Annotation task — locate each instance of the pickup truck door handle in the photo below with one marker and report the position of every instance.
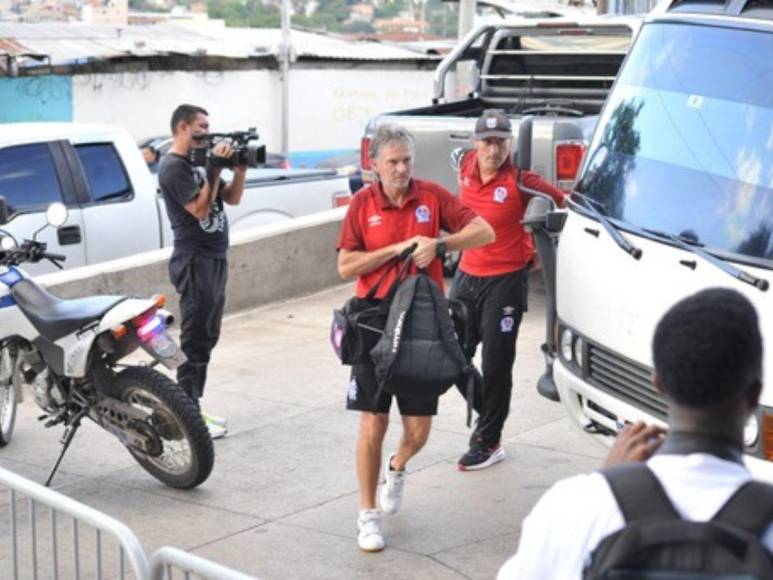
(69, 235)
(460, 136)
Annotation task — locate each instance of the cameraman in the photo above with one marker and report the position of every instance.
(198, 269)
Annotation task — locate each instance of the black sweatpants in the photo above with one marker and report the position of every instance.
(498, 303)
(200, 282)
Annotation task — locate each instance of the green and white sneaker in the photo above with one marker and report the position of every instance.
(218, 426)
(215, 420)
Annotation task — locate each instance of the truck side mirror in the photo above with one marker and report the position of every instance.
(537, 211)
(3, 210)
(541, 214)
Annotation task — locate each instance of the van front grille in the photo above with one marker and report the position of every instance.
(625, 379)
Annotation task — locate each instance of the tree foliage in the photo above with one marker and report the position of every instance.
(330, 15)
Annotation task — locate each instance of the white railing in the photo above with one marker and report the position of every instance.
(167, 559)
(48, 537)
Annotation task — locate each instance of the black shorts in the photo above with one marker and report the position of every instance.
(362, 394)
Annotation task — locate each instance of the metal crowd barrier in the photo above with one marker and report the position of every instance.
(49, 534)
(167, 559)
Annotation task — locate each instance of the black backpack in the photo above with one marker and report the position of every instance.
(656, 543)
(358, 325)
(419, 356)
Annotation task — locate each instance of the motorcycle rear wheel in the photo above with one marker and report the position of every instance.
(187, 454)
(8, 393)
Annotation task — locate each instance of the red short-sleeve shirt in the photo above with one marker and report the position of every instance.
(372, 222)
(502, 204)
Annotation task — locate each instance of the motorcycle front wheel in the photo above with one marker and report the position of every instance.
(186, 455)
(8, 393)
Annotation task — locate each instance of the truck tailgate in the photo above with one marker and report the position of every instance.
(435, 138)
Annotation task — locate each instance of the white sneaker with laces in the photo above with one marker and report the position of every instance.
(391, 494)
(369, 535)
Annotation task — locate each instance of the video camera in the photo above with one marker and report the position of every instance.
(245, 153)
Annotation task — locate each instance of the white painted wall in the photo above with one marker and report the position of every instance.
(143, 102)
(328, 107)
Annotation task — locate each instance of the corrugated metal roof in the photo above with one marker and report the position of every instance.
(66, 43)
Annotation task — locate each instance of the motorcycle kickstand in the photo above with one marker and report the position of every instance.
(69, 434)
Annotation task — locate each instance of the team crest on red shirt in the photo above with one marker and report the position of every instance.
(422, 214)
(500, 194)
(374, 220)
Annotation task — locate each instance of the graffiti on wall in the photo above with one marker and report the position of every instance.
(40, 98)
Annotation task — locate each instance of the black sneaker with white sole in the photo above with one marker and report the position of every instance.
(481, 456)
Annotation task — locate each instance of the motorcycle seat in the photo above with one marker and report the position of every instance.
(55, 317)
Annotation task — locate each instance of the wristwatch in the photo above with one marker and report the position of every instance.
(441, 249)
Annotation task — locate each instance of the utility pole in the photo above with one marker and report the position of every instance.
(285, 55)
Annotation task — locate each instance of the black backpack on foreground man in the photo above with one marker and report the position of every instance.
(691, 511)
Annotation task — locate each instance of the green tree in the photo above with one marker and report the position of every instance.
(359, 27)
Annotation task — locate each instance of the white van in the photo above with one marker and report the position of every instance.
(675, 195)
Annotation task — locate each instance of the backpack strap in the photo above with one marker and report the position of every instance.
(639, 493)
(749, 508)
(401, 260)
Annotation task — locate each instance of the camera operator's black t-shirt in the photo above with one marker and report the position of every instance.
(180, 182)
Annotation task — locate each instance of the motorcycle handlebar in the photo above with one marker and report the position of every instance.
(30, 251)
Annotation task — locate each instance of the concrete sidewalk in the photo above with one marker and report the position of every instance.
(282, 500)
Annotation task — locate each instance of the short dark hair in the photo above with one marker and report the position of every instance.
(186, 113)
(708, 348)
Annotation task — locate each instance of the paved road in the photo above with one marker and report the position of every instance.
(282, 500)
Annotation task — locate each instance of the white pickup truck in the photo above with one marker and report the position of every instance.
(115, 209)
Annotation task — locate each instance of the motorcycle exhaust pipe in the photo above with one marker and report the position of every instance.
(167, 317)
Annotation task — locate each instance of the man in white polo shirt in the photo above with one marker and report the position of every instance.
(707, 352)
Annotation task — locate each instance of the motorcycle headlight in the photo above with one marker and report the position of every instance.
(566, 344)
(751, 431)
(577, 349)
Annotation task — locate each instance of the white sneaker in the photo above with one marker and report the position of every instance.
(216, 431)
(391, 494)
(213, 419)
(369, 535)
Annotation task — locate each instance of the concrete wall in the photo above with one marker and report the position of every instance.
(266, 264)
(328, 107)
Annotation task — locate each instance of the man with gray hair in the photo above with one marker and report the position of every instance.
(384, 219)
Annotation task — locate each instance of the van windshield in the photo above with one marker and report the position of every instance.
(685, 142)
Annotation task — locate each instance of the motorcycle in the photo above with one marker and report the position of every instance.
(69, 353)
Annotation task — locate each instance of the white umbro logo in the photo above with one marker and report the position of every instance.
(374, 220)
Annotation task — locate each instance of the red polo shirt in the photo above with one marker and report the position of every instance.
(372, 222)
(502, 205)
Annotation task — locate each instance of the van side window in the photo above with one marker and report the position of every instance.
(104, 172)
(28, 178)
